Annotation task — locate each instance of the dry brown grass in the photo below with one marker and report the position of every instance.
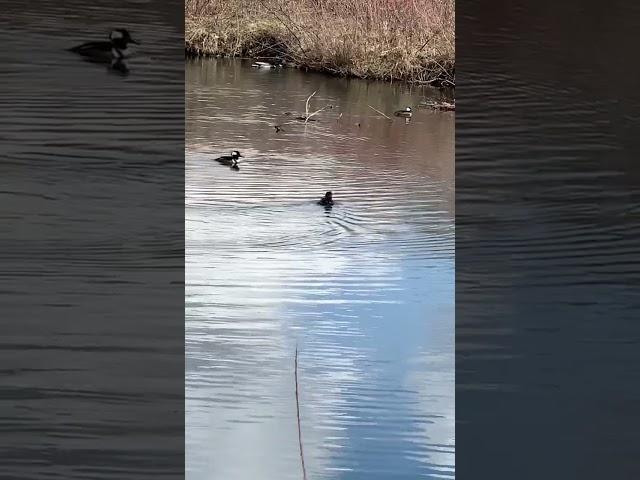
(411, 40)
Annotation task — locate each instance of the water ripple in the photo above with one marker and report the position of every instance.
(81, 150)
(365, 289)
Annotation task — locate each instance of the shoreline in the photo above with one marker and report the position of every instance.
(367, 39)
(440, 82)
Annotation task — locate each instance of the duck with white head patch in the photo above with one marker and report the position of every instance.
(406, 112)
(230, 160)
(116, 48)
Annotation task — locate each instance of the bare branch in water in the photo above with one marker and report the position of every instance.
(306, 106)
(315, 113)
(379, 112)
(304, 470)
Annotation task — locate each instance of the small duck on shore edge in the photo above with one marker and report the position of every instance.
(260, 64)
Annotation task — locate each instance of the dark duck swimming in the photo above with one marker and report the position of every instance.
(230, 160)
(116, 48)
(327, 200)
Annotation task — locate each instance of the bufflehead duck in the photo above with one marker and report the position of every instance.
(230, 160)
(404, 113)
(115, 48)
(262, 65)
(327, 200)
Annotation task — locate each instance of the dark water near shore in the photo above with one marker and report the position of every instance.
(91, 331)
(365, 290)
(548, 222)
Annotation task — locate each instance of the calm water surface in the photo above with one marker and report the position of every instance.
(548, 221)
(92, 308)
(365, 290)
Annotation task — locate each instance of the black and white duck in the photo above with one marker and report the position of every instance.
(116, 48)
(406, 112)
(230, 160)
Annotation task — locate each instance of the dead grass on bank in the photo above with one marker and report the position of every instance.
(410, 40)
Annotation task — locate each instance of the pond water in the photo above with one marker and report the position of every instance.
(364, 290)
(547, 226)
(91, 249)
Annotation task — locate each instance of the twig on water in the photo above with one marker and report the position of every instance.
(379, 112)
(304, 471)
(306, 106)
(315, 113)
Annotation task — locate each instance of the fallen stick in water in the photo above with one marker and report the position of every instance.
(379, 112)
(304, 471)
(306, 105)
(315, 113)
